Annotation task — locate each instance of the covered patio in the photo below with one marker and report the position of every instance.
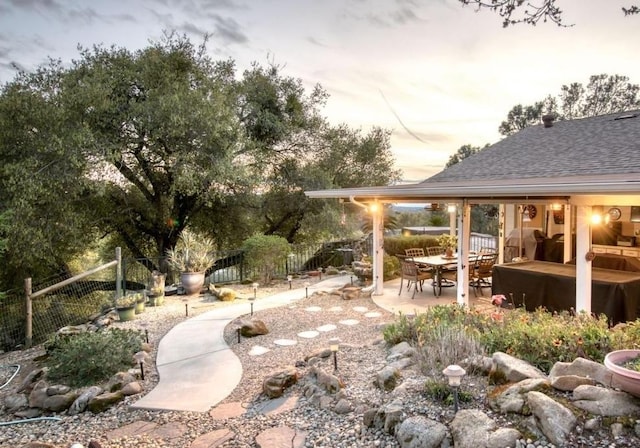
(585, 169)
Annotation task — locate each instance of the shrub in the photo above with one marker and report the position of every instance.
(92, 357)
(397, 244)
(264, 253)
(443, 345)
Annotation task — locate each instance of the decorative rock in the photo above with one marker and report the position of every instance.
(327, 381)
(212, 439)
(584, 368)
(592, 424)
(387, 378)
(59, 403)
(14, 402)
(58, 389)
(131, 388)
(554, 420)
(38, 445)
(29, 381)
(38, 395)
(401, 350)
(80, 404)
(421, 432)
(472, 427)
(515, 369)
(617, 430)
(325, 328)
(392, 417)
(570, 382)
(606, 402)
(351, 293)
(102, 402)
(29, 413)
(403, 363)
(281, 437)
(343, 406)
(118, 381)
(132, 429)
(254, 327)
(279, 405)
(360, 309)
(274, 385)
(321, 354)
(512, 399)
(503, 437)
(372, 314)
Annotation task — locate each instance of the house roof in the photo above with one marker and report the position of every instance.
(590, 156)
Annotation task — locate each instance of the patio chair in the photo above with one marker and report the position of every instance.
(414, 276)
(480, 276)
(414, 252)
(435, 250)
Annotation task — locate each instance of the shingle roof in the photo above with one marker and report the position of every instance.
(594, 146)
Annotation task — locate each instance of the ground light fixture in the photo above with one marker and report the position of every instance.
(139, 357)
(454, 374)
(289, 279)
(334, 345)
(306, 289)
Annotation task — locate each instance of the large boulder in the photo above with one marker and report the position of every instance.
(253, 327)
(421, 432)
(472, 428)
(512, 399)
(606, 402)
(104, 401)
(514, 369)
(274, 385)
(80, 403)
(582, 367)
(387, 378)
(554, 420)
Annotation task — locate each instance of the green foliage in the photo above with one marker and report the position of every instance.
(447, 240)
(440, 391)
(397, 244)
(264, 253)
(462, 153)
(390, 267)
(442, 345)
(540, 338)
(192, 253)
(92, 357)
(604, 94)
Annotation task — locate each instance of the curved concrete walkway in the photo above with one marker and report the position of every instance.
(197, 368)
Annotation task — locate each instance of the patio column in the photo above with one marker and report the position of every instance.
(502, 221)
(464, 241)
(568, 241)
(583, 266)
(378, 249)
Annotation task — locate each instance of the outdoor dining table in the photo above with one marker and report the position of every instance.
(614, 293)
(439, 263)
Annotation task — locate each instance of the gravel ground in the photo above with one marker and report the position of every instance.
(361, 355)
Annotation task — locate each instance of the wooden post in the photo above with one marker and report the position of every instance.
(28, 328)
(118, 273)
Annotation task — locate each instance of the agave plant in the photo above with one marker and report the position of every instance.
(193, 253)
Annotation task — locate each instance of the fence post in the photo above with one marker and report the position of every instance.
(118, 273)
(28, 328)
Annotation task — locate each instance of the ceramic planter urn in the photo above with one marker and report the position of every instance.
(192, 282)
(625, 379)
(126, 313)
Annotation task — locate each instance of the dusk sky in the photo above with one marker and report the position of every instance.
(439, 75)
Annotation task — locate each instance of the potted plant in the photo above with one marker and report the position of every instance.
(448, 242)
(624, 366)
(140, 302)
(192, 256)
(126, 307)
(155, 291)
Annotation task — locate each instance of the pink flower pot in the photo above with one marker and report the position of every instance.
(625, 379)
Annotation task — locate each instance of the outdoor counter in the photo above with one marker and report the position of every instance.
(553, 286)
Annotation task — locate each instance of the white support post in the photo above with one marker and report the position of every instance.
(378, 250)
(568, 240)
(464, 241)
(583, 266)
(501, 232)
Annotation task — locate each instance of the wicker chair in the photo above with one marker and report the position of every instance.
(435, 250)
(412, 275)
(479, 277)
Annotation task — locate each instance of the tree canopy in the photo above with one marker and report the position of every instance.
(530, 12)
(604, 94)
(139, 145)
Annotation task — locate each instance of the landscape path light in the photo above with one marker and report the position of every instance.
(306, 289)
(334, 345)
(255, 294)
(139, 357)
(289, 279)
(454, 374)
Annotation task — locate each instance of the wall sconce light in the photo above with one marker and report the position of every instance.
(289, 279)
(306, 289)
(334, 345)
(454, 374)
(556, 207)
(451, 208)
(373, 207)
